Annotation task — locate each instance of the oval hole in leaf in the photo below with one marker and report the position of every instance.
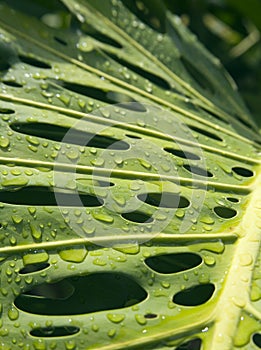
(155, 79)
(137, 216)
(36, 195)
(243, 171)
(132, 106)
(134, 136)
(60, 41)
(34, 62)
(90, 31)
(173, 263)
(233, 199)
(12, 83)
(33, 268)
(6, 111)
(198, 76)
(69, 135)
(197, 170)
(244, 122)
(125, 101)
(49, 332)
(150, 316)
(181, 154)
(105, 183)
(194, 344)
(225, 212)
(164, 200)
(82, 294)
(213, 114)
(194, 296)
(205, 132)
(257, 339)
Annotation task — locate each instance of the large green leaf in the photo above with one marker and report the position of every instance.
(130, 185)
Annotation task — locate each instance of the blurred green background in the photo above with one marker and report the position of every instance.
(230, 29)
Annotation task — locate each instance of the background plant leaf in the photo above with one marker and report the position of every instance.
(154, 243)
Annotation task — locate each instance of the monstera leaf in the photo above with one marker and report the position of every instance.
(129, 184)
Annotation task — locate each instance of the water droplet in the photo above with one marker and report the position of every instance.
(4, 142)
(36, 233)
(245, 259)
(73, 255)
(13, 313)
(140, 319)
(145, 164)
(19, 181)
(239, 301)
(70, 345)
(116, 318)
(103, 217)
(203, 278)
(111, 332)
(35, 257)
(39, 345)
(97, 162)
(180, 213)
(72, 154)
(128, 249)
(95, 328)
(32, 210)
(33, 140)
(207, 220)
(209, 260)
(99, 262)
(17, 219)
(65, 99)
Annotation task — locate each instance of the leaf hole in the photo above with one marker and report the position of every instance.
(137, 216)
(182, 154)
(244, 122)
(132, 106)
(60, 41)
(197, 170)
(34, 62)
(69, 135)
(6, 111)
(44, 196)
(30, 268)
(59, 331)
(164, 200)
(150, 316)
(194, 296)
(205, 132)
(194, 344)
(86, 29)
(214, 115)
(134, 136)
(105, 183)
(173, 263)
(155, 79)
(82, 294)
(225, 212)
(198, 76)
(126, 102)
(12, 83)
(257, 339)
(243, 171)
(233, 199)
